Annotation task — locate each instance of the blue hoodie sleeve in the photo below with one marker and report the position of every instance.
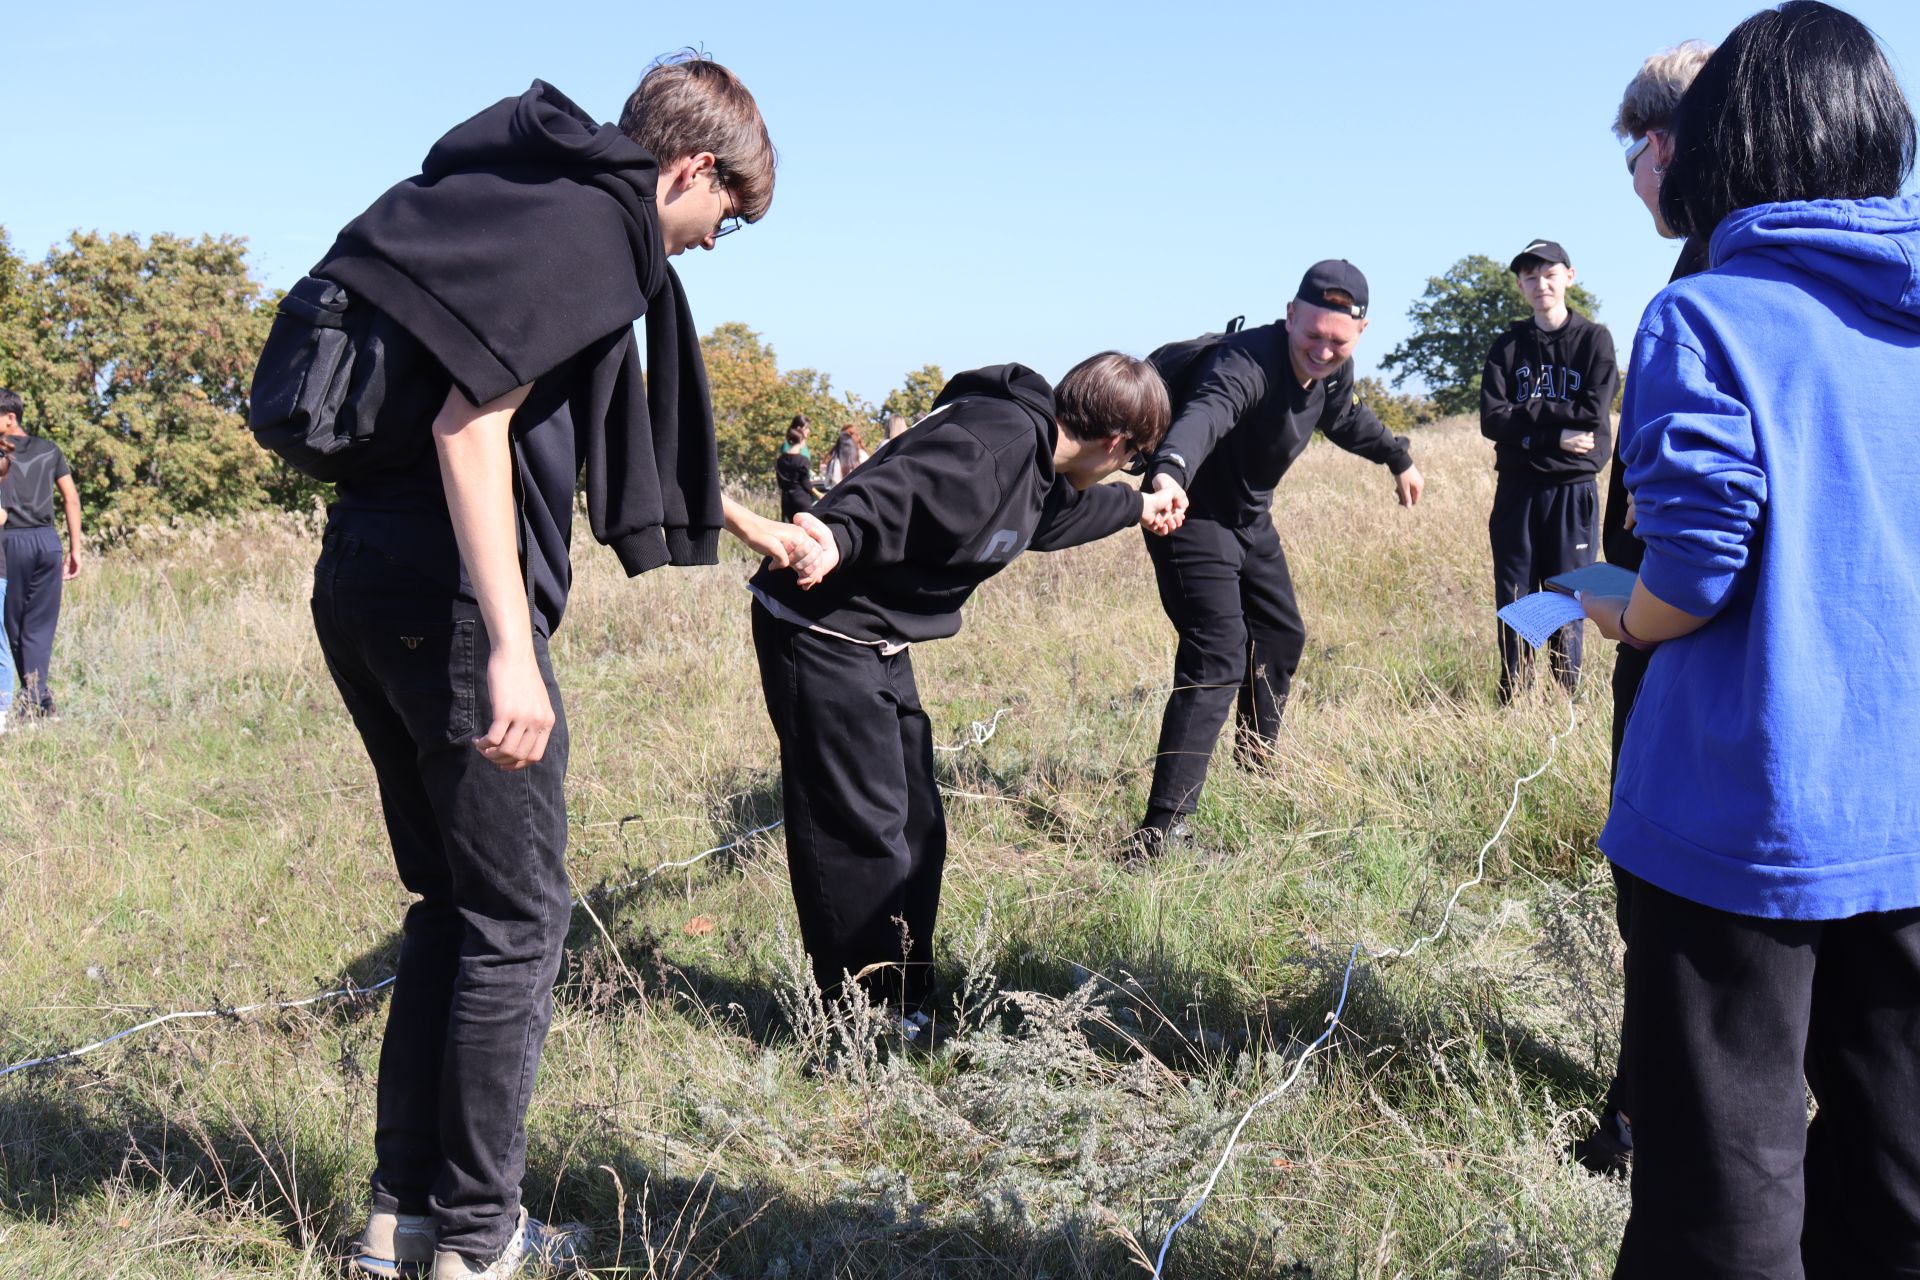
(1692, 465)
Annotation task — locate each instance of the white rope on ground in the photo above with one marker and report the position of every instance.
(1233, 1139)
(1333, 1018)
(187, 1014)
(978, 733)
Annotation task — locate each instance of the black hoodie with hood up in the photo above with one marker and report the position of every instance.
(523, 252)
(939, 510)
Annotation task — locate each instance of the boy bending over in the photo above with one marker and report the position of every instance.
(1003, 464)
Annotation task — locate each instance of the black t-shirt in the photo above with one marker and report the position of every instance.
(29, 491)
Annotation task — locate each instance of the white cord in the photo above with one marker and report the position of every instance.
(1333, 1019)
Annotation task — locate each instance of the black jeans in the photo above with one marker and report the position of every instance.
(866, 834)
(485, 851)
(34, 563)
(1229, 595)
(1536, 532)
(1728, 1015)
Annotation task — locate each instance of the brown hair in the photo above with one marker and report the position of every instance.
(686, 104)
(1113, 395)
(1654, 93)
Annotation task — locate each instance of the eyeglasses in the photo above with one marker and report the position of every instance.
(1136, 464)
(1638, 148)
(728, 226)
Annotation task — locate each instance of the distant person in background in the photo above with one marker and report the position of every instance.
(1645, 123)
(1768, 798)
(799, 430)
(1546, 402)
(35, 565)
(897, 425)
(6, 648)
(847, 454)
(793, 473)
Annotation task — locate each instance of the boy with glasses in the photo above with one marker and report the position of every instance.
(517, 261)
(1003, 464)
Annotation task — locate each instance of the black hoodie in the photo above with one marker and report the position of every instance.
(939, 510)
(522, 253)
(1537, 384)
(1241, 418)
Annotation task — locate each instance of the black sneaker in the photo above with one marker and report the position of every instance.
(1153, 839)
(1608, 1150)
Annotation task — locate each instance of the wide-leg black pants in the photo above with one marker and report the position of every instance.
(1728, 1015)
(1230, 597)
(866, 835)
(1536, 532)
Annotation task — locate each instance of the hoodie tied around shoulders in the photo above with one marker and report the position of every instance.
(521, 253)
(1769, 767)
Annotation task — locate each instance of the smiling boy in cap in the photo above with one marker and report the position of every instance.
(1546, 399)
(1243, 410)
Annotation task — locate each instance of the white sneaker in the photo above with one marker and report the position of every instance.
(395, 1244)
(536, 1249)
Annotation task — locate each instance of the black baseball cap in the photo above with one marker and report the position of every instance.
(1545, 250)
(1335, 274)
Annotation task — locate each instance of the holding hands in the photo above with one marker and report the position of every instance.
(1165, 508)
(820, 554)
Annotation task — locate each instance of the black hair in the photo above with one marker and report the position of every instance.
(10, 402)
(1798, 103)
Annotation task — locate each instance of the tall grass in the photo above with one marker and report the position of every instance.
(200, 829)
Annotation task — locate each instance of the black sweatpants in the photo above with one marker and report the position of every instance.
(866, 834)
(35, 560)
(1230, 598)
(1728, 1015)
(485, 851)
(1536, 532)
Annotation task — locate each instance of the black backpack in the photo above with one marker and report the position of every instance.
(340, 388)
(1176, 359)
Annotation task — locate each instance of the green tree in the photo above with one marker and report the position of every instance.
(135, 359)
(913, 399)
(1397, 410)
(753, 402)
(1454, 324)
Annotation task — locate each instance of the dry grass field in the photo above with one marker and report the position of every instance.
(200, 831)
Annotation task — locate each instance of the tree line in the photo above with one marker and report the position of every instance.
(135, 356)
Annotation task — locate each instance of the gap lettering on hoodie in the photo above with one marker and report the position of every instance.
(1555, 382)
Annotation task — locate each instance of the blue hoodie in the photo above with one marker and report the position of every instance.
(1770, 766)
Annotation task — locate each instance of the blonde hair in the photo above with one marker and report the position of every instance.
(686, 104)
(1654, 93)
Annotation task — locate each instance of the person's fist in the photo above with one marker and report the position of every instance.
(1408, 486)
(1575, 442)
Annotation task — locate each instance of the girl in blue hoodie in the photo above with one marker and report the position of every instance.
(1768, 797)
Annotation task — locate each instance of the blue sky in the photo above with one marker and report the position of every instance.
(960, 184)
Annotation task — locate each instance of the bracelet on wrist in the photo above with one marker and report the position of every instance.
(1628, 638)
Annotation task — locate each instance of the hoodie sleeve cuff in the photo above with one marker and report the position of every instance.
(687, 547)
(641, 551)
(1686, 587)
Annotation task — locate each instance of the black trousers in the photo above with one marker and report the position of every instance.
(485, 851)
(1536, 532)
(866, 834)
(1629, 669)
(34, 563)
(1728, 1015)
(1230, 598)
